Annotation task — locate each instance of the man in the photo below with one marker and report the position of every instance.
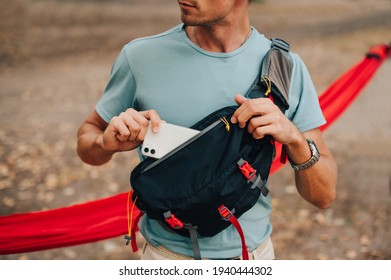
(184, 74)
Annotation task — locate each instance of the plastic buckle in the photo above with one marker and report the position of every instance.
(174, 222)
(225, 213)
(248, 171)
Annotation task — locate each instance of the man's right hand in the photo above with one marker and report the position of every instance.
(127, 131)
(99, 140)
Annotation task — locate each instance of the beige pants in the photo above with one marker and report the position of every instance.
(264, 251)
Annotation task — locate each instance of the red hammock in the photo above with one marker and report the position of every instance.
(84, 223)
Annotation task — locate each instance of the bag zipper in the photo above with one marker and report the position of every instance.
(188, 142)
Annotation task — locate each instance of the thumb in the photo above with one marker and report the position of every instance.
(240, 99)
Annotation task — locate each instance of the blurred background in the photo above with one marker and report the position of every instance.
(55, 60)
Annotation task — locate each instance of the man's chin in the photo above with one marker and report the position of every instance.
(190, 20)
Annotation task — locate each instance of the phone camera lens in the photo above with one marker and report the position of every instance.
(153, 151)
(146, 150)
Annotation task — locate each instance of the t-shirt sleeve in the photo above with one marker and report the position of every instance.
(304, 111)
(120, 90)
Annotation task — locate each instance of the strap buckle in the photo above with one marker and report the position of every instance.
(173, 221)
(248, 171)
(225, 213)
(229, 216)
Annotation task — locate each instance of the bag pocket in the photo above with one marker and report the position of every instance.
(206, 125)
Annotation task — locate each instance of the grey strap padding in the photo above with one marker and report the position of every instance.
(277, 67)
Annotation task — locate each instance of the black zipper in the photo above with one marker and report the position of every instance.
(188, 142)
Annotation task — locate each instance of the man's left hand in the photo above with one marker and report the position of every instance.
(264, 118)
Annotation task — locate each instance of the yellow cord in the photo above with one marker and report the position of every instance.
(268, 84)
(130, 218)
(224, 120)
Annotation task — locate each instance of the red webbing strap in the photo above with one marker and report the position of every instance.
(228, 216)
(133, 232)
(284, 155)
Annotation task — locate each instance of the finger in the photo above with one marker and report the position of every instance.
(274, 124)
(240, 99)
(133, 121)
(239, 116)
(142, 130)
(118, 128)
(154, 118)
(267, 119)
(249, 109)
(143, 118)
(261, 131)
(260, 107)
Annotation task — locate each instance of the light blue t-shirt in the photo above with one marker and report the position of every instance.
(184, 83)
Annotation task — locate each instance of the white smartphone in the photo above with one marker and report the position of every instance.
(170, 136)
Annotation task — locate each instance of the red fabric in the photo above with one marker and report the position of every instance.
(133, 233)
(73, 225)
(107, 218)
(227, 215)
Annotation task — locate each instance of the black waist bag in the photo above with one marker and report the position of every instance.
(203, 186)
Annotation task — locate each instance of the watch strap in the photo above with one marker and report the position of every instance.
(315, 156)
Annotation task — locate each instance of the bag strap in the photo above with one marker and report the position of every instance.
(133, 232)
(280, 44)
(194, 241)
(276, 71)
(275, 75)
(227, 215)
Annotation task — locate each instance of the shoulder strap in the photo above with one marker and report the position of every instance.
(280, 44)
(275, 74)
(277, 69)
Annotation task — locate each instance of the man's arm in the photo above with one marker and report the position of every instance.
(90, 141)
(316, 184)
(98, 141)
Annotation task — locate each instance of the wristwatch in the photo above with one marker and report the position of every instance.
(315, 155)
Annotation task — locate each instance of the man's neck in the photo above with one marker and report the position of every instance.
(218, 38)
(225, 35)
